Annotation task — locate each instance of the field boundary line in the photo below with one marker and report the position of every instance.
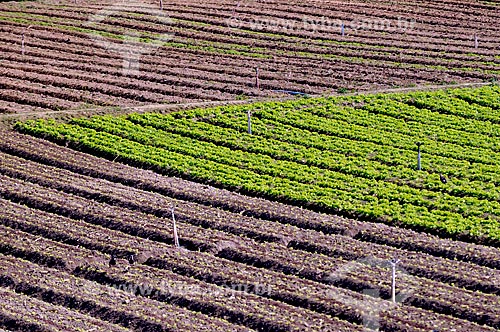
(7, 119)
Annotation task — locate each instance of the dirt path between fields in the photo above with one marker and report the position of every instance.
(8, 119)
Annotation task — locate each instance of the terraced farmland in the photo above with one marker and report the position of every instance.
(65, 55)
(282, 230)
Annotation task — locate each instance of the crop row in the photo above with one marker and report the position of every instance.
(215, 39)
(330, 160)
(35, 100)
(446, 124)
(442, 103)
(9, 107)
(486, 98)
(218, 300)
(261, 164)
(447, 127)
(278, 286)
(108, 65)
(173, 164)
(279, 11)
(369, 116)
(221, 15)
(371, 133)
(219, 220)
(113, 86)
(396, 108)
(60, 88)
(40, 46)
(216, 34)
(49, 154)
(154, 204)
(189, 213)
(182, 64)
(117, 306)
(232, 176)
(325, 299)
(413, 320)
(389, 155)
(92, 237)
(23, 313)
(270, 256)
(179, 14)
(275, 79)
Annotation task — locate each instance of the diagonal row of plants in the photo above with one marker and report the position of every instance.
(328, 160)
(299, 150)
(421, 122)
(390, 155)
(468, 109)
(395, 106)
(333, 128)
(88, 236)
(199, 223)
(442, 102)
(359, 124)
(362, 202)
(486, 96)
(310, 175)
(284, 217)
(368, 116)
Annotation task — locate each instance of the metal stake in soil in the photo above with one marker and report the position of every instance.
(393, 263)
(257, 83)
(249, 117)
(22, 39)
(176, 237)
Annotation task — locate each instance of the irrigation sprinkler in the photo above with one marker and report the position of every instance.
(257, 83)
(129, 59)
(419, 156)
(393, 263)
(176, 236)
(249, 117)
(22, 39)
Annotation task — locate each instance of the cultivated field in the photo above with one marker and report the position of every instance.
(185, 221)
(254, 263)
(353, 156)
(85, 54)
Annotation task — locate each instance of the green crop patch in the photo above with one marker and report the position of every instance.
(355, 155)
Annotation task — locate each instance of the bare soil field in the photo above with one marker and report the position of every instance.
(74, 55)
